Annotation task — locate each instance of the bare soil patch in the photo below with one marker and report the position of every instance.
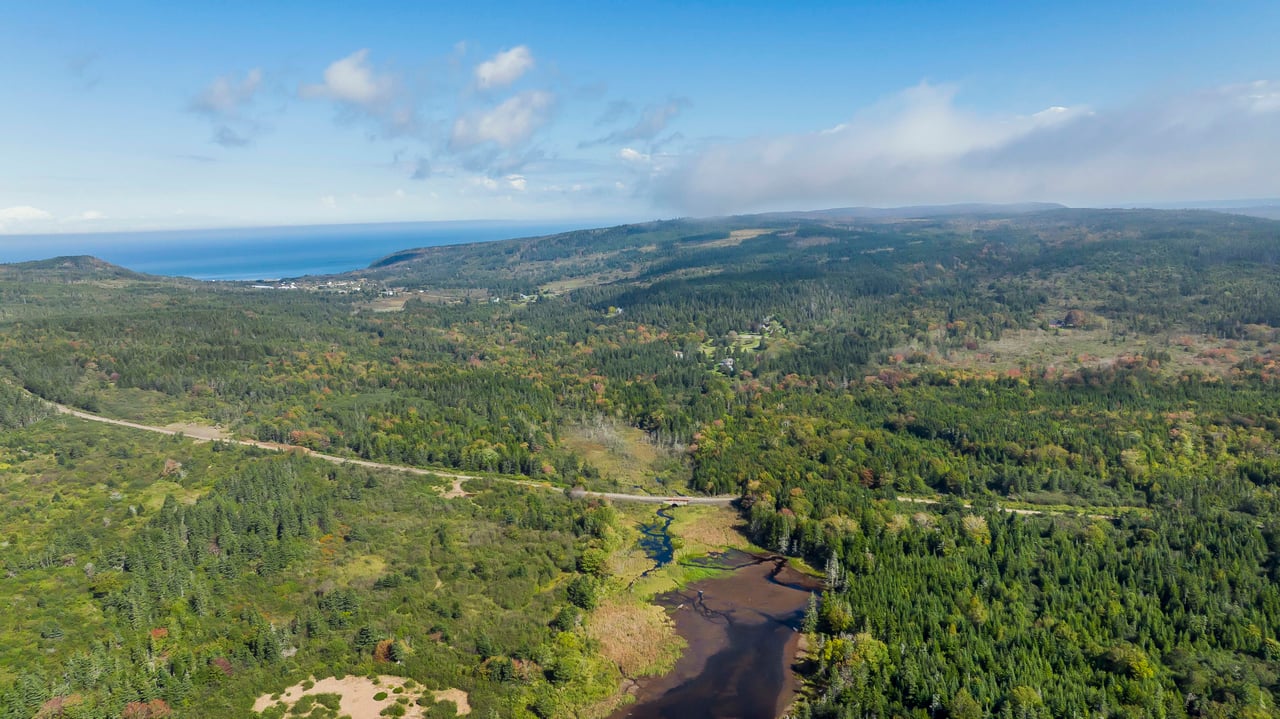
(736, 237)
(457, 696)
(386, 304)
(199, 431)
(456, 491)
(357, 696)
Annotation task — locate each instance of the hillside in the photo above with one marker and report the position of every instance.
(68, 269)
(1037, 452)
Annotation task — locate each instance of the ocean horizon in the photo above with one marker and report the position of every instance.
(268, 253)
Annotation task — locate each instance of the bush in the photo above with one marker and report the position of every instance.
(584, 592)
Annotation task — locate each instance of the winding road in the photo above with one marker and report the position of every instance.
(204, 433)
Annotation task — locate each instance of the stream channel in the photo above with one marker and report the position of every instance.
(742, 634)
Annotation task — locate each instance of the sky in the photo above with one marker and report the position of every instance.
(122, 116)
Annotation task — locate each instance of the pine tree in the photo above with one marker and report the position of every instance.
(835, 575)
(810, 624)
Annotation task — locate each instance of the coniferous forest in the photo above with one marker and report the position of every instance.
(1034, 456)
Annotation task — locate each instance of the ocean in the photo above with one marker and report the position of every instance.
(267, 253)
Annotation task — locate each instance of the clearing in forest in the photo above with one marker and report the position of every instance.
(623, 455)
(357, 697)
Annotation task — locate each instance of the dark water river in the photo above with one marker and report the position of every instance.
(741, 630)
(655, 541)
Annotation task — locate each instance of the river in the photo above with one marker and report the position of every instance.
(741, 630)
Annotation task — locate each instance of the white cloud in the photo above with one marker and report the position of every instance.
(504, 68)
(1261, 96)
(360, 91)
(22, 217)
(921, 147)
(23, 213)
(509, 124)
(508, 183)
(86, 216)
(628, 154)
(351, 80)
(225, 101)
(226, 95)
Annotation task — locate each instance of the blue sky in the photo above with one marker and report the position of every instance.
(140, 115)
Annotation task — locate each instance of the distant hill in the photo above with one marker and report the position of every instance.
(1270, 212)
(70, 268)
(921, 211)
(768, 219)
(805, 242)
(1268, 208)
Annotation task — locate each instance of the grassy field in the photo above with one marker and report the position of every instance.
(625, 458)
(696, 532)
(1099, 343)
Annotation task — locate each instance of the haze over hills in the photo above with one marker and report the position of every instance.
(919, 211)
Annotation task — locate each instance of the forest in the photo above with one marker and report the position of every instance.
(1037, 456)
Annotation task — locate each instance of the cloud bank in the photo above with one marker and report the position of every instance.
(921, 147)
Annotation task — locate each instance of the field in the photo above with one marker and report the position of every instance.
(626, 458)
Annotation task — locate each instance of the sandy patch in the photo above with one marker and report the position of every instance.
(736, 237)
(457, 696)
(456, 491)
(386, 304)
(198, 431)
(358, 696)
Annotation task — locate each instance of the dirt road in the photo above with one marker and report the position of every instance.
(203, 433)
